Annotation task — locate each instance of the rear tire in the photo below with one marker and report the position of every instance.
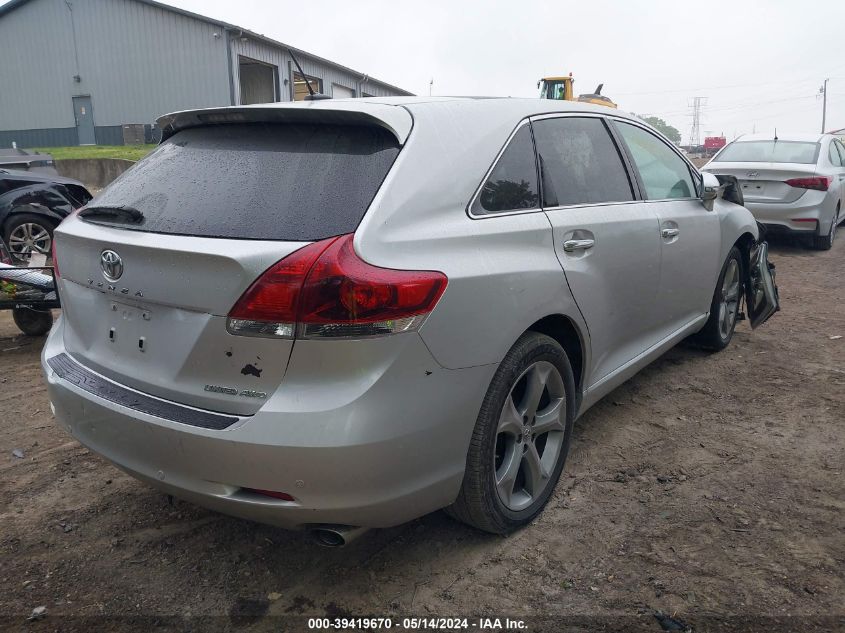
(825, 243)
(521, 438)
(33, 322)
(717, 333)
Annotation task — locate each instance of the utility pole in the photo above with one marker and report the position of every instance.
(430, 84)
(823, 90)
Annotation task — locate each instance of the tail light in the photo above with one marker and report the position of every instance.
(820, 183)
(326, 290)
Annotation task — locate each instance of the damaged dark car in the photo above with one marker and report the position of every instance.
(31, 207)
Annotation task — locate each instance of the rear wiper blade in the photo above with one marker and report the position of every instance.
(117, 212)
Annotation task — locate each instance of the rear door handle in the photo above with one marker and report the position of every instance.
(570, 246)
(670, 232)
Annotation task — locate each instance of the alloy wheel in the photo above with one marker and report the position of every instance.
(29, 237)
(530, 435)
(730, 299)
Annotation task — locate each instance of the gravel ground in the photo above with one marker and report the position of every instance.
(708, 487)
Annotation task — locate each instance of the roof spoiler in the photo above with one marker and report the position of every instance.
(395, 120)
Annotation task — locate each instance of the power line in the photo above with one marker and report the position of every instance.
(703, 88)
(731, 86)
(738, 106)
(768, 116)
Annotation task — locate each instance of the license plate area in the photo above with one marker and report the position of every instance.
(752, 188)
(128, 327)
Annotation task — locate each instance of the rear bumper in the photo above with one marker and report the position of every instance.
(391, 453)
(814, 208)
(783, 230)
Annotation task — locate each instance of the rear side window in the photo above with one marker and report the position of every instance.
(512, 185)
(579, 163)
(770, 152)
(664, 174)
(835, 159)
(272, 182)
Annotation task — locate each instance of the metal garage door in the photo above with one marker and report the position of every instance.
(342, 92)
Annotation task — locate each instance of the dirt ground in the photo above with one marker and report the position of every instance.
(708, 488)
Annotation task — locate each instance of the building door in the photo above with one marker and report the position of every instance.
(84, 120)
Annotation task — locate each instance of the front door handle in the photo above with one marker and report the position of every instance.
(670, 233)
(570, 246)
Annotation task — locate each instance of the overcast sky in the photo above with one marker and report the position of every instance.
(760, 64)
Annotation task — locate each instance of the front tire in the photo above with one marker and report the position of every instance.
(521, 438)
(717, 333)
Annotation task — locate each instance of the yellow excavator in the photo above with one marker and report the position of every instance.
(561, 88)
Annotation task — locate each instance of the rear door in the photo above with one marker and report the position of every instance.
(145, 300)
(690, 235)
(607, 241)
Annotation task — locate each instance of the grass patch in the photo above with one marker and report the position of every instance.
(128, 152)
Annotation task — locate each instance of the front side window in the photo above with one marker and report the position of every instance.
(512, 185)
(664, 174)
(579, 163)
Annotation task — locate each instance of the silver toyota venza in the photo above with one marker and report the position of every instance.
(346, 314)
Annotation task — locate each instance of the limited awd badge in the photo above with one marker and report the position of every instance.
(246, 393)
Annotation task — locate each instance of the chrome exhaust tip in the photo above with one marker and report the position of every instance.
(336, 535)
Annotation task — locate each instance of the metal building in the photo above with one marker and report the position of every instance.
(80, 72)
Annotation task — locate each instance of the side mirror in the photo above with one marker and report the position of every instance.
(709, 189)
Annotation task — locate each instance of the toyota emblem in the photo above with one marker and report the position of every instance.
(112, 265)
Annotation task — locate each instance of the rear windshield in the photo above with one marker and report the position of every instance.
(250, 181)
(770, 152)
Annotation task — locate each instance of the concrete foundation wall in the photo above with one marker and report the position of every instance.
(94, 172)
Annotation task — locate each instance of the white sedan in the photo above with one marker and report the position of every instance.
(791, 183)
